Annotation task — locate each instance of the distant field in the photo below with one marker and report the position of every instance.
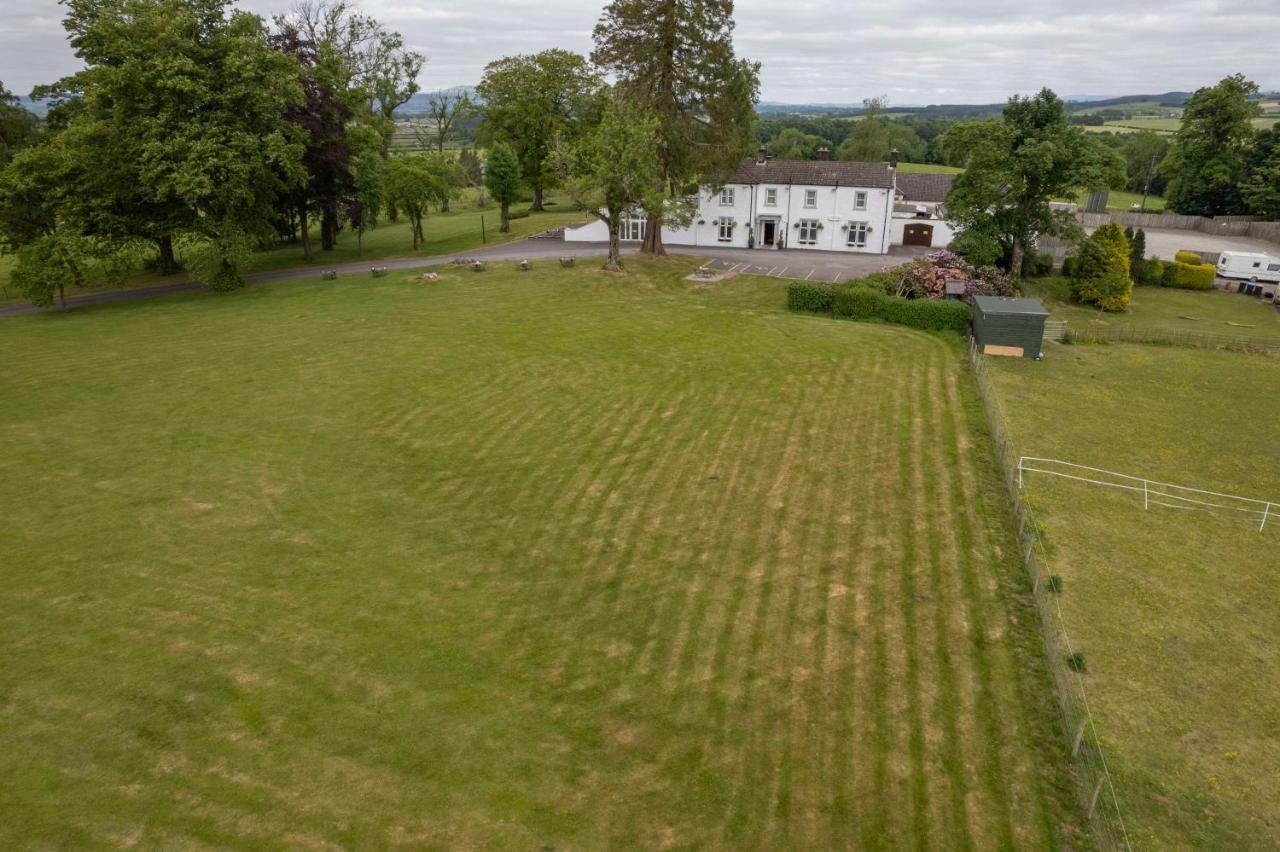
(1121, 201)
(1163, 309)
(928, 168)
(1136, 108)
(544, 560)
(1165, 126)
(1174, 611)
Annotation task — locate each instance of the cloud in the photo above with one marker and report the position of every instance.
(976, 51)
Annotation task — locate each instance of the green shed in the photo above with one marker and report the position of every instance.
(1007, 326)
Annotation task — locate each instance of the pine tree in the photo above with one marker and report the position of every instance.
(674, 60)
(1101, 275)
(1137, 254)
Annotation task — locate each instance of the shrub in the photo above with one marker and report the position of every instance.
(929, 314)
(1037, 265)
(806, 296)
(1187, 276)
(1069, 266)
(860, 302)
(1100, 275)
(1137, 252)
(1191, 258)
(517, 214)
(1149, 271)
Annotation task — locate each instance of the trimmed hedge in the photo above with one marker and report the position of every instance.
(860, 302)
(815, 298)
(1188, 276)
(1191, 258)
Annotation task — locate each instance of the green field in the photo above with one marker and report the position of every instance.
(1162, 309)
(459, 230)
(929, 168)
(1163, 125)
(544, 560)
(1175, 611)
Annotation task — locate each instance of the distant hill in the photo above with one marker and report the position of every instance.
(776, 109)
(417, 105)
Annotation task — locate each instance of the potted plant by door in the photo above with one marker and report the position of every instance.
(751, 238)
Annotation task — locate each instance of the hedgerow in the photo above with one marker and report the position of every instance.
(1188, 276)
(862, 302)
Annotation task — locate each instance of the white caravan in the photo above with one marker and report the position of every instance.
(1254, 267)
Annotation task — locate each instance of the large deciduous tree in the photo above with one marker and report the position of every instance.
(178, 128)
(1015, 166)
(674, 60)
(1260, 187)
(531, 103)
(612, 171)
(416, 181)
(503, 180)
(1207, 159)
(17, 127)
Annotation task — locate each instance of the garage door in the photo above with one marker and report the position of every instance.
(917, 235)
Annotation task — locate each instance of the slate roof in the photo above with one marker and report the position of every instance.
(813, 173)
(925, 188)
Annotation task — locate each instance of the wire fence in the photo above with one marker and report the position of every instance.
(1155, 493)
(1097, 787)
(1169, 337)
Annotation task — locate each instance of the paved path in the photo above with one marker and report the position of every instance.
(790, 263)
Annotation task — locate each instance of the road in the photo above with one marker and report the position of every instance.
(1165, 242)
(791, 263)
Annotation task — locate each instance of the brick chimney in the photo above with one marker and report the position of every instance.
(824, 153)
(762, 155)
(893, 158)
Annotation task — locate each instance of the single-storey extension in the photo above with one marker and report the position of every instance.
(821, 204)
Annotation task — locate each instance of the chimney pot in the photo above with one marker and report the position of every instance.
(893, 158)
(824, 153)
(762, 155)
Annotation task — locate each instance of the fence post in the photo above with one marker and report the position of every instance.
(1266, 510)
(1093, 802)
(1075, 745)
(1146, 496)
(1020, 458)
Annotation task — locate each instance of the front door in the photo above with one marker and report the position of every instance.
(917, 235)
(768, 232)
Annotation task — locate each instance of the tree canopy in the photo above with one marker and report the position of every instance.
(1014, 167)
(674, 61)
(503, 179)
(1207, 159)
(531, 102)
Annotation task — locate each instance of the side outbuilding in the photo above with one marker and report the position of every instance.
(1008, 326)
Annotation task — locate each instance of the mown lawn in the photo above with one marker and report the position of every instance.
(1162, 309)
(1175, 611)
(553, 560)
(446, 233)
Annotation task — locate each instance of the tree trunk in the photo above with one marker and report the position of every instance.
(444, 206)
(393, 215)
(504, 225)
(536, 206)
(305, 230)
(329, 227)
(1015, 259)
(614, 263)
(168, 263)
(653, 237)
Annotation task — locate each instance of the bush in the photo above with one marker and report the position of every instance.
(1187, 276)
(1191, 258)
(814, 298)
(517, 214)
(863, 302)
(1037, 265)
(1100, 275)
(1069, 266)
(929, 314)
(1149, 271)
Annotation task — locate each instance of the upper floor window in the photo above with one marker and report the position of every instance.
(771, 196)
(726, 197)
(859, 200)
(811, 198)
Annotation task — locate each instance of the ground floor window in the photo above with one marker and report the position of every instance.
(725, 232)
(632, 229)
(808, 232)
(857, 237)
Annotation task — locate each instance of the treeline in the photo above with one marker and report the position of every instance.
(868, 138)
(195, 124)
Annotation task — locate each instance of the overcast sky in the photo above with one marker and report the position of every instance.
(973, 51)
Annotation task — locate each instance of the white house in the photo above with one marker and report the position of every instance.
(821, 205)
